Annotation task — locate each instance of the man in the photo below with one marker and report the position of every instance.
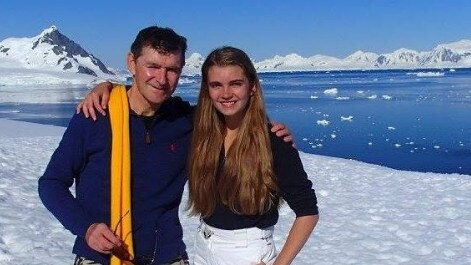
(160, 129)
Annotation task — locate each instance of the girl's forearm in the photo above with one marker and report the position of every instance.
(297, 237)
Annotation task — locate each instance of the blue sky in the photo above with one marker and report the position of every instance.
(262, 28)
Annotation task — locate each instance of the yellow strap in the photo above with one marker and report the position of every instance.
(120, 169)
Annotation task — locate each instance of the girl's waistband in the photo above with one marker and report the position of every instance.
(246, 233)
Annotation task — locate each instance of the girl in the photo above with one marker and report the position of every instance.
(239, 171)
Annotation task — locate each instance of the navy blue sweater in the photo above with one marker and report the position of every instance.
(157, 174)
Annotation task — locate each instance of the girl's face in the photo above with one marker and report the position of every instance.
(230, 92)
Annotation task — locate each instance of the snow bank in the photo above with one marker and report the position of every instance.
(369, 214)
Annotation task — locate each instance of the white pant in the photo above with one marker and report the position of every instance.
(215, 246)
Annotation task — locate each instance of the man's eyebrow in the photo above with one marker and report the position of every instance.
(152, 63)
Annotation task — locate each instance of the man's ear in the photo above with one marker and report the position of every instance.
(131, 62)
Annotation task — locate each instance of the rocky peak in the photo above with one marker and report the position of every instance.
(67, 48)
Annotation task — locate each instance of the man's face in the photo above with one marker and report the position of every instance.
(155, 74)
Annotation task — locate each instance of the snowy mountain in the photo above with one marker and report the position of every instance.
(193, 65)
(361, 56)
(453, 55)
(49, 54)
(456, 52)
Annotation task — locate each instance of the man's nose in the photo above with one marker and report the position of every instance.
(161, 75)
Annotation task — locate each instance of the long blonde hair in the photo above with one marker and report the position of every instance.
(247, 183)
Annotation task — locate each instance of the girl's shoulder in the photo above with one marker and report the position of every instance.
(278, 145)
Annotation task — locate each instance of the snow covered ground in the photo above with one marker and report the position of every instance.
(369, 214)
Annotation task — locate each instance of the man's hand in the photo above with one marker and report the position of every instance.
(96, 100)
(100, 238)
(282, 131)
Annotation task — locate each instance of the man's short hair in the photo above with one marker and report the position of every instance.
(163, 40)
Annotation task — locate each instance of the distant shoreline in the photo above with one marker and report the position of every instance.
(399, 70)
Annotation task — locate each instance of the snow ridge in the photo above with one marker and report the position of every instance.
(54, 57)
(451, 55)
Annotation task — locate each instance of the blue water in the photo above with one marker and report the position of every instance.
(398, 118)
